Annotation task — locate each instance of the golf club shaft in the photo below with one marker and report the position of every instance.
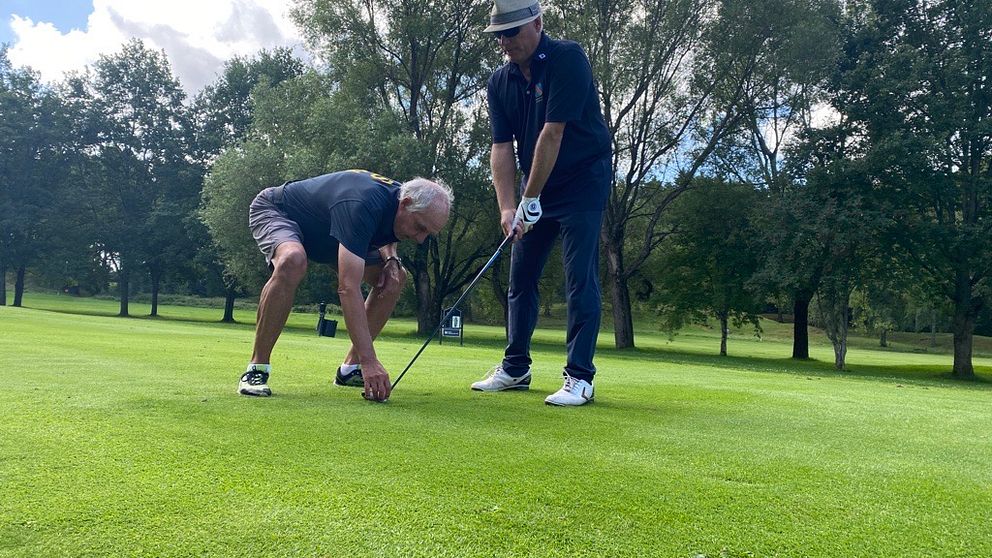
(454, 306)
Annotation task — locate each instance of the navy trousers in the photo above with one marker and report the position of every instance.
(580, 255)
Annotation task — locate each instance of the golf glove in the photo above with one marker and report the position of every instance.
(528, 212)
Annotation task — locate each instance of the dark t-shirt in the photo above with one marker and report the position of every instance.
(561, 90)
(355, 208)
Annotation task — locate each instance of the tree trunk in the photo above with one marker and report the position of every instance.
(3, 285)
(229, 306)
(840, 353)
(156, 282)
(19, 287)
(883, 339)
(963, 326)
(122, 284)
(800, 321)
(933, 328)
(724, 332)
(963, 369)
(623, 322)
(834, 303)
(421, 282)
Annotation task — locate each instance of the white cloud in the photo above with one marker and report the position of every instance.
(198, 36)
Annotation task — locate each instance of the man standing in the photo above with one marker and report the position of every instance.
(545, 100)
(353, 220)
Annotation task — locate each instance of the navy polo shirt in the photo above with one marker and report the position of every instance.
(561, 90)
(355, 208)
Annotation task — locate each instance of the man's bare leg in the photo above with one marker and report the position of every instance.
(276, 301)
(379, 305)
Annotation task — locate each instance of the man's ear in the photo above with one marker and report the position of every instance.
(405, 202)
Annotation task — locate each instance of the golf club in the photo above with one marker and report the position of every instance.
(454, 306)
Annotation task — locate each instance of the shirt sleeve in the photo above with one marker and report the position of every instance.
(569, 82)
(498, 121)
(352, 226)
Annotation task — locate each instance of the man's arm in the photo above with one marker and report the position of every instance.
(351, 268)
(389, 251)
(392, 268)
(545, 156)
(504, 175)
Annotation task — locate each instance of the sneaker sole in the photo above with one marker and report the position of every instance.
(251, 394)
(348, 385)
(553, 404)
(509, 388)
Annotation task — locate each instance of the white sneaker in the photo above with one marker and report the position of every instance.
(254, 382)
(574, 392)
(498, 380)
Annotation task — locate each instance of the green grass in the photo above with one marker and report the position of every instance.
(124, 437)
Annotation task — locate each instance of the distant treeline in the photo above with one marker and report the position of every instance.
(827, 160)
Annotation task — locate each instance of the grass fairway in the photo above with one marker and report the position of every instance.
(124, 437)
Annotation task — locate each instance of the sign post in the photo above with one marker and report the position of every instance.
(452, 327)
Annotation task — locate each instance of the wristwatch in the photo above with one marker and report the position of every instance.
(397, 259)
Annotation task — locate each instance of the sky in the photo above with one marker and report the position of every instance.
(58, 36)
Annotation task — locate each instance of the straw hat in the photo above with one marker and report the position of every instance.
(508, 14)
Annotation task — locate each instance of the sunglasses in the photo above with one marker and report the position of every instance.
(508, 33)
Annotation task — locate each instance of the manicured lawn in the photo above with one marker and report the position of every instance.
(124, 437)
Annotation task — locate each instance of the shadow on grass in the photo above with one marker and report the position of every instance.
(97, 313)
(921, 374)
(924, 374)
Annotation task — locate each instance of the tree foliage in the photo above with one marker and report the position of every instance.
(420, 65)
(710, 259)
(915, 85)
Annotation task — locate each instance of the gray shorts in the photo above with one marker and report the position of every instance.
(271, 226)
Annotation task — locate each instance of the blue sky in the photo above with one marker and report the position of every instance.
(65, 15)
(56, 37)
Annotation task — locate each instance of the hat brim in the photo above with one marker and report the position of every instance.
(510, 25)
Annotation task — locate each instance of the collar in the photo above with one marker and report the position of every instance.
(539, 57)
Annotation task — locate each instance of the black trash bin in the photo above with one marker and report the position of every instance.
(325, 327)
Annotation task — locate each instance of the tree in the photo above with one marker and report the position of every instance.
(848, 236)
(673, 77)
(877, 310)
(34, 135)
(236, 177)
(145, 180)
(710, 259)
(420, 64)
(780, 95)
(223, 109)
(224, 114)
(916, 85)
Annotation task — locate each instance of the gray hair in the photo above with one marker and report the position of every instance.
(423, 192)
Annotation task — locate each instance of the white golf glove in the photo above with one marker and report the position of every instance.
(528, 212)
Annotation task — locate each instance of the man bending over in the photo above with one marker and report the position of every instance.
(352, 220)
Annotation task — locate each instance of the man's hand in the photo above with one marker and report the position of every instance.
(376, 380)
(392, 277)
(528, 213)
(508, 220)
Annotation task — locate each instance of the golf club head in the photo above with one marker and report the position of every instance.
(374, 400)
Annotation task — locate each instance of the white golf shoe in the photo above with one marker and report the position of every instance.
(498, 380)
(254, 382)
(574, 392)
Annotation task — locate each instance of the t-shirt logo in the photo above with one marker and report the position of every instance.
(538, 93)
